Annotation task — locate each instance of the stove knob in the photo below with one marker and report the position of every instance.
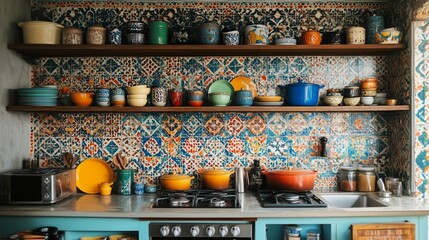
(235, 231)
(165, 230)
(195, 230)
(223, 230)
(210, 230)
(176, 231)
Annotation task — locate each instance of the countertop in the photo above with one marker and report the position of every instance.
(139, 206)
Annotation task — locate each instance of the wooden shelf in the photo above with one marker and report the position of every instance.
(84, 50)
(206, 109)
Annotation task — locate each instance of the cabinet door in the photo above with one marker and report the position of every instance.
(383, 231)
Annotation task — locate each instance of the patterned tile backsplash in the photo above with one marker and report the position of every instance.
(160, 142)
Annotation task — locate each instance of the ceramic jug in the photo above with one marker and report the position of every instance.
(356, 35)
(311, 37)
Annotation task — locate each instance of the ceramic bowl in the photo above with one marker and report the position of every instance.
(219, 98)
(65, 100)
(150, 188)
(351, 91)
(244, 101)
(391, 101)
(332, 100)
(195, 103)
(353, 101)
(137, 96)
(138, 91)
(231, 38)
(388, 36)
(369, 93)
(135, 26)
(196, 95)
(82, 98)
(285, 41)
(367, 100)
(137, 102)
(380, 100)
(381, 95)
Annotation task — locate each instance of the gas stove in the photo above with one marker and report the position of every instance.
(197, 199)
(287, 199)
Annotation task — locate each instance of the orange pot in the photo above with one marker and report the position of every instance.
(215, 179)
(82, 98)
(369, 84)
(291, 179)
(176, 182)
(311, 37)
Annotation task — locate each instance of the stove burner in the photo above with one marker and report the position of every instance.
(179, 201)
(289, 199)
(197, 199)
(218, 202)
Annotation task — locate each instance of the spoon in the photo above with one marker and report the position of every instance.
(380, 185)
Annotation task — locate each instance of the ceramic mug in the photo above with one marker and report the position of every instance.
(356, 35)
(209, 33)
(125, 178)
(256, 34)
(159, 96)
(138, 188)
(231, 38)
(135, 37)
(115, 36)
(158, 33)
(102, 97)
(72, 36)
(96, 35)
(175, 97)
(117, 96)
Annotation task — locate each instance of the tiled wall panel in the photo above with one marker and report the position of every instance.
(156, 143)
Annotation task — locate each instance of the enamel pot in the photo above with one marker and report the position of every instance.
(295, 179)
(302, 94)
(176, 181)
(215, 179)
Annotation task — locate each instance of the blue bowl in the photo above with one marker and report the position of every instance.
(244, 101)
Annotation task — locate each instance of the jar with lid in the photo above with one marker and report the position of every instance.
(366, 179)
(313, 234)
(348, 179)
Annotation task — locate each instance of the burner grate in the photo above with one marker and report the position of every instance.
(197, 199)
(287, 199)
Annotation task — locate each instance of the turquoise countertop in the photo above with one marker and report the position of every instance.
(133, 206)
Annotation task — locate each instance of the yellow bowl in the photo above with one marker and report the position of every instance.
(82, 98)
(137, 102)
(268, 98)
(138, 91)
(137, 96)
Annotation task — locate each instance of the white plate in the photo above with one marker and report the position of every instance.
(256, 103)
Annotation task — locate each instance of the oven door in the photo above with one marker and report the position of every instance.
(200, 230)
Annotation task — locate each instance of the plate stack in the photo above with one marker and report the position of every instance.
(39, 96)
(268, 101)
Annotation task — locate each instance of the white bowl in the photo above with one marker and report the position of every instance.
(139, 96)
(381, 95)
(137, 102)
(352, 101)
(380, 100)
(285, 41)
(367, 100)
(118, 98)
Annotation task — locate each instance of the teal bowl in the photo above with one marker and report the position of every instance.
(244, 101)
(219, 99)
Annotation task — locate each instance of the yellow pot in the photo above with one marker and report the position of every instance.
(41, 32)
(176, 182)
(215, 179)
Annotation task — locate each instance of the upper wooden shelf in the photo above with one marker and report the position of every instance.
(207, 109)
(85, 50)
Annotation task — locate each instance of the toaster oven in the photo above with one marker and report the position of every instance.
(37, 186)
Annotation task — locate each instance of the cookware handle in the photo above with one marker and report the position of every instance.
(321, 86)
(20, 24)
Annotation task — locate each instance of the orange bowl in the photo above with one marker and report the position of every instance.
(82, 98)
(195, 103)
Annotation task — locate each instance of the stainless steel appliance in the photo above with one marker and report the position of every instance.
(197, 199)
(211, 230)
(197, 228)
(272, 198)
(37, 186)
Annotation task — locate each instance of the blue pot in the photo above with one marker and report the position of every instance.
(302, 94)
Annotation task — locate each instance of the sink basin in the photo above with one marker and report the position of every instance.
(352, 200)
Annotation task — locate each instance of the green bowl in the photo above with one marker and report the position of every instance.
(219, 99)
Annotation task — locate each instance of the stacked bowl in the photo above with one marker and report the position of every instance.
(137, 95)
(38, 96)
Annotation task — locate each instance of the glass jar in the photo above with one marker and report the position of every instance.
(313, 234)
(366, 179)
(348, 179)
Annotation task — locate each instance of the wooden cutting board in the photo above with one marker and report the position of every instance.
(383, 231)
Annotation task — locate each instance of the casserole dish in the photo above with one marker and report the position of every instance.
(175, 181)
(302, 94)
(41, 32)
(295, 179)
(215, 179)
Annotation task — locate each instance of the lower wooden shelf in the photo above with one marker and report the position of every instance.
(206, 109)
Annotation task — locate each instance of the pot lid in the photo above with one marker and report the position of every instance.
(174, 176)
(215, 171)
(292, 171)
(302, 83)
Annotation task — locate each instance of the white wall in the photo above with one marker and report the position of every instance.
(14, 73)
